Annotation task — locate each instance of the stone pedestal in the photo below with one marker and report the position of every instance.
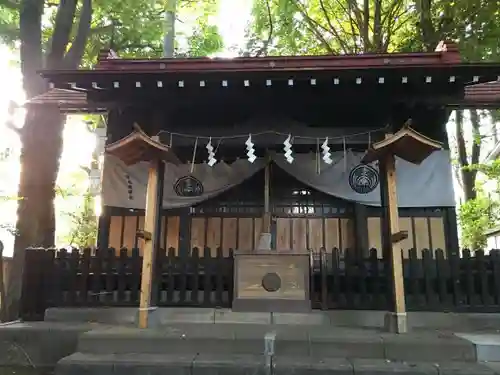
(270, 281)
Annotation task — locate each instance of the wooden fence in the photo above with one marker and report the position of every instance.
(62, 279)
(434, 280)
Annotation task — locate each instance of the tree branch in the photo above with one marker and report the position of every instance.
(62, 31)
(74, 56)
(340, 40)
(313, 25)
(265, 46)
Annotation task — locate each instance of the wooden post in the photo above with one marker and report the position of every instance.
(396, 320)
(153, 207)
(265, 234)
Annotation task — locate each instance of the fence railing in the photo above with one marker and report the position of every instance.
(78, 278)
(434, 280)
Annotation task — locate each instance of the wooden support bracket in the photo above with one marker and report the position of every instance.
(399, 236)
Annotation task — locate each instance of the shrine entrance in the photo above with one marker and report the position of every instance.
(302, 218)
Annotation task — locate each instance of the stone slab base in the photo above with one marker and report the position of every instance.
(247, 339)
(459, 322)
(79, 363)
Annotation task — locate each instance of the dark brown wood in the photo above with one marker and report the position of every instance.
(195, 264)
(135, 282)
(171, 264)
(482, 276)
(121, 273)
(207, 277)
(443, 274)
(73, 275)
(85, 277)
(469, 277)
(324, 278)
(495, 260)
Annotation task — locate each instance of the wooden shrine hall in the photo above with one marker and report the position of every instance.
(276, 155)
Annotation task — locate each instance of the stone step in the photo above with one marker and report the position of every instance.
(202, 364)
(289, 341)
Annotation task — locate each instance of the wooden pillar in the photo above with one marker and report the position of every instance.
(155, 183)
(396, 320)
(265, 234)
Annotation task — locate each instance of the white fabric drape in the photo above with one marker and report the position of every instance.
(429, 184)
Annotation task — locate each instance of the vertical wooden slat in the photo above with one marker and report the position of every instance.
(171, 259)
(469, 278)
(347, 231)
(60, 263)
(109, 258)
(121, 270)
(164, 226)
(421, 233)
(214, 240)
(415, 298)
(136, 268)
(437, 233)
(315, 234)
(350, 276)
(283, 233)
(362, 279)
(428, 276)
(229, 234)
(454, 260)
(195, 261)
(85, 279)
(173, 230)
(161, 264)
(245, 233)
(406, 244)
(377, 296)
(257, 230)
(442, 277)
(324, 279)
(182, 270)
(375, 234)
(73, 265)
(335, 256)
(482, 275)
(96, 270)
(129, 232)
(197, 232)
(332, 233)
(219, 277)
(115, 229)
(495, 260)
(207, 277)
(299, 228)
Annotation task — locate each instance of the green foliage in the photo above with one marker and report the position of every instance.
(83, 228)
(345, 26)
(476, 217)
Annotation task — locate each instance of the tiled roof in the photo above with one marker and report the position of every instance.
(65, 100)
(487, 93)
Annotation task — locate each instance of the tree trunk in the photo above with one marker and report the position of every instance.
(169, 39)
(41, 149)
(467, 174)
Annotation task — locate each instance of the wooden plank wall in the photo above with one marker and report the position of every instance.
(314, 233)
(225, 232)
(423, 233)
(123, 229)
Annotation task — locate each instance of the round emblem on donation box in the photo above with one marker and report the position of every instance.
(188, 186)
(363, 179)
(271, 282)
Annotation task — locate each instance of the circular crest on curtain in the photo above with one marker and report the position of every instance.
(363, 179)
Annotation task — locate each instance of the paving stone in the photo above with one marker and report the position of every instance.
(384, 367)
(312, 318)
(228, 365)
(428, 347)
(228, 316)
(461, 368)
(85, 364)
(312, 366)
(342, 343)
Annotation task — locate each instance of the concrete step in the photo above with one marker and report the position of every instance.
(246, 339)
(203, 364)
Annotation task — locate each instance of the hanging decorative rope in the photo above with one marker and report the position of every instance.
(194, 155)
(345, 154)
